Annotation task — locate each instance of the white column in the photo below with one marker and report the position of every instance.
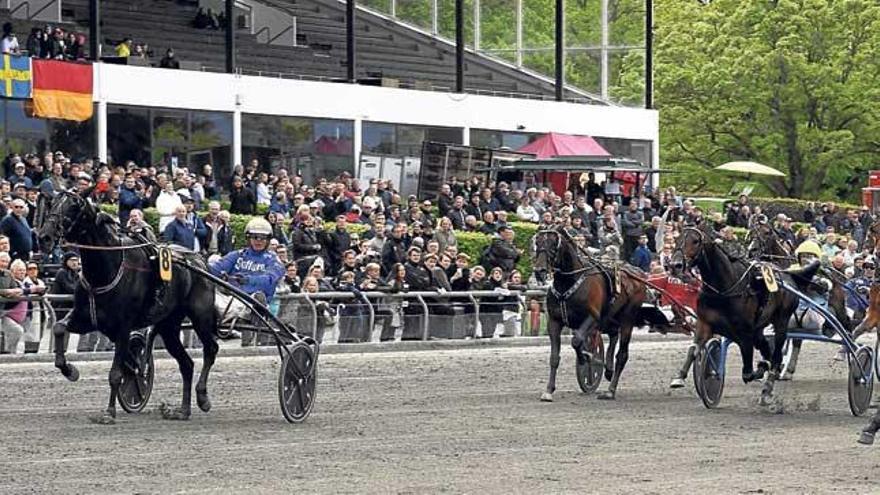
(435, 16)
(466, 136)
(236, 137)
(519, 33)
(101, 131)
(393, 8)
(357, 139)
(476, 25)
(603, 70)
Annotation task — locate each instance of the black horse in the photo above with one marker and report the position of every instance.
(587, 297)
(766, 243)
(117, 295)
(736, 303)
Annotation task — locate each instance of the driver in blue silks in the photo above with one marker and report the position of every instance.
(254, 269)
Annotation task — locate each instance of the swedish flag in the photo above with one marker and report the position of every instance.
(15, 77)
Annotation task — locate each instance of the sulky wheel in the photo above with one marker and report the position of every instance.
(589, 374)
(135, 389)
(709, 373)
(860, 381)
(297, 381)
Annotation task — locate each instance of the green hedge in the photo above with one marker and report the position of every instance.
(794, 208)
(472, 243)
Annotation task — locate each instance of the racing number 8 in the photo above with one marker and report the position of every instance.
(165, 264)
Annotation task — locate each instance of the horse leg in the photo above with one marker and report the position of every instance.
(59, 333)
(625, 335)
(780, 334)
(678, 381)
(204, 328)
(169, 329)
(609, 354)
(747, 350)
(120, 354)
(554, 330)
(870, 431)
(791, 366)
(579, 339)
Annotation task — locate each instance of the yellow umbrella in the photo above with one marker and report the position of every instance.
(750, 168)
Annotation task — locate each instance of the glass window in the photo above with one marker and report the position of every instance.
(404, 140)
(502, 139)
(310, 147)
(378, 138)
(21, 133)
(160, 136)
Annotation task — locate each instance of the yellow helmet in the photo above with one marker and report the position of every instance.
(809, 247)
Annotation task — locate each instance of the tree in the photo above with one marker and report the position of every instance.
(788, 83)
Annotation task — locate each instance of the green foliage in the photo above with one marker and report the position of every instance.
(789, 83)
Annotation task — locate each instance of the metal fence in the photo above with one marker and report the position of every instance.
(332, 317)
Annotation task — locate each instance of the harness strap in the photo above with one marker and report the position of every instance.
(92, 291)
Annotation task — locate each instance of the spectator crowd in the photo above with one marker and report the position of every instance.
(403, 244)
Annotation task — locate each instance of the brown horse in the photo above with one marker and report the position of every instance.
(587, 297)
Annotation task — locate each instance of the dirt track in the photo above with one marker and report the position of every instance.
(427, 422)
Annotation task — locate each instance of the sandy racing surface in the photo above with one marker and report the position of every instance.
(440, 421)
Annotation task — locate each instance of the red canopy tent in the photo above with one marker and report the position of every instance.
(554, 145)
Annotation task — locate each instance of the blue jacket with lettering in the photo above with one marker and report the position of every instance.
(259, 271)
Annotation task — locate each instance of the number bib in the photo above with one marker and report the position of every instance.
(165, 264)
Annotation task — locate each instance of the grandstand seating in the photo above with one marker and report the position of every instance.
(386, 49)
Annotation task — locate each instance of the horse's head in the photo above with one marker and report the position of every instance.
(69, 215)
(689, 248)
(546, 244)
(766, 242)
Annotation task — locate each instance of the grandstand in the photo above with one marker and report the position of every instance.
(285, 97)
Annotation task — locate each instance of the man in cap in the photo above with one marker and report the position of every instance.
(14, 226)
(502, 252)
(19, 175)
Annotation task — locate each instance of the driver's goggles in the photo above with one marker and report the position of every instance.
(258, 237)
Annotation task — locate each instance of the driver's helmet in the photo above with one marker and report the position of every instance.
(258, 227)
(807, 251)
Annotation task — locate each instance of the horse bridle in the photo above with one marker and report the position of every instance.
(60, 222)
(688, 263)
(760, 238)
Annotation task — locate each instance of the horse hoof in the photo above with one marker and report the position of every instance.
(204, 402)
(71, 373)
(104, 419)
(546, 397)
(606, 396)
(173, 413)
(866, 438)
(765, 400)
(677, 383)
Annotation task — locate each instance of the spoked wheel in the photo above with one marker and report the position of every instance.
(135, 389)
(787, 352)
(297, 381)
(709, 373)
(860, 383)
(589, 374)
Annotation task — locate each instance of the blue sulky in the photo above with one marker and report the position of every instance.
(709, 367)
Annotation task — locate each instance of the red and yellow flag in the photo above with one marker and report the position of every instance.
(62, 90)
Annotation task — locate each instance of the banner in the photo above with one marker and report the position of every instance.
(15, 77)
(62, 90)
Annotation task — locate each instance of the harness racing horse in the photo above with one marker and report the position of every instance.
(736, 304)
(589, 298)
(766, 243)
(116, 295)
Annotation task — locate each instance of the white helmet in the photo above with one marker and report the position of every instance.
(258, 226)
